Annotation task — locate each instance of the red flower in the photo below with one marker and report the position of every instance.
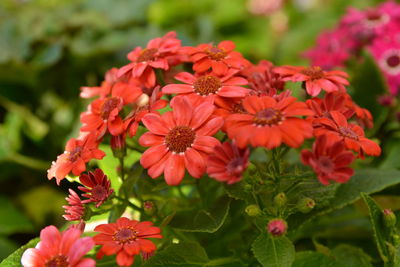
(75, 210)
(338, 129)
(270, 122)
(126, 238)
(315, 78)
(208, 85)
(228, 163)
(330, 162)
(277, 227)
(220, 58)
(331, 101)
(179, 139)
(77, 153)
(103, 114)
(105, 88)
(59, 249)
(155, 55)
(97, 187)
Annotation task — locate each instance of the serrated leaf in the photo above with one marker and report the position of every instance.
(378, 226)
(349, 256)
(179, 254)
(238, 191)
(273, 251)
(15, 258)
(208, 221)
(314, 259)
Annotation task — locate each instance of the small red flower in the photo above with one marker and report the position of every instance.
(228, 163)
(59, 249)
(277, 227)
(331, 101)
(75, 210)
(270, 122)
(338, 129)
(126, 238)
(77, 153)
(179, 139)
(315, 78)
(105, 88)
(219, 58)
(208, 85)
(97, 187)
(330, 162)
(155, 55)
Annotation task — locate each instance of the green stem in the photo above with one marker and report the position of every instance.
(130, 204)
(28, 161)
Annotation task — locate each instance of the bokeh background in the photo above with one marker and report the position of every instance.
(49, 48)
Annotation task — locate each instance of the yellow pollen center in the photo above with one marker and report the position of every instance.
(314, 73)
(57, 261)
(347, 132)
(109, 105)
(268, 116)
(180, 138)
(75, 154)
(147, 54)
(207, 85)
(216, 53)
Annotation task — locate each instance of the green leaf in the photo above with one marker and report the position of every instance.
(273, 251)
(15, 258)
(48, 55)
(349, 256)
(179, 254)
(203, 220)
(238, 191)
(378, 226)
(367, 181)
(7, 246)
(314, 259)
(11, 219)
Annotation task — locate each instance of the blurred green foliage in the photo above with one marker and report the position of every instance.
(49, 48)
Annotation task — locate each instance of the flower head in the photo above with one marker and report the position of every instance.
(75, 210)
(59, 249)
(126, 238)
(97, 187)
(77, 153)
(179, 139)
(270, 122)
(228, 163)
(330, 162)
(277, 227)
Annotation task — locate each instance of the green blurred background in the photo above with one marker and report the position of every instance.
(49, 48)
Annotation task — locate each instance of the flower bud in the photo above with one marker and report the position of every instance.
(280, 200)
(143, 100)
(253, 210)
(305, 205)
(389, 218)
(387, 100)
(149, 207)
(118, 146)
(277, 227)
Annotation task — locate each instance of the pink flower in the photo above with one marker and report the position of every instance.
(59, 249)
(277, 227)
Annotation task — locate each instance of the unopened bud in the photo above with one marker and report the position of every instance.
(389, 218)
(280, 200)
(80, 226)
(305, 205)
(277, 227)
(387, 100)
(143, 100)
(253, 210)
(149, 207)
(118, 146)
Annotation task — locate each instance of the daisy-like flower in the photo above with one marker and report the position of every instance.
(179, 139)
(126, 238)
(330, 162)
(103, 114)
(97, 187)
(315, 78)
(155, 55)
(59, 249)
(338, 129)
(77, 153)
(331, 101)
(270, 122)
(219, 58)
(75, 210)
(102, 91)
(208, 86)
(228, 163)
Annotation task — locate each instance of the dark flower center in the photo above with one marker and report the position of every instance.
(99, 192)
(314, 72)
(347, 132)
(125, 235)
(57, 261)
(268, 116)
(393, 61)
(180, 138)
(216, 53)
(238, 108)
(109, 105)
(235, 166)
(325, 164)
(75, 153)
(206, 85)
(147, 54)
